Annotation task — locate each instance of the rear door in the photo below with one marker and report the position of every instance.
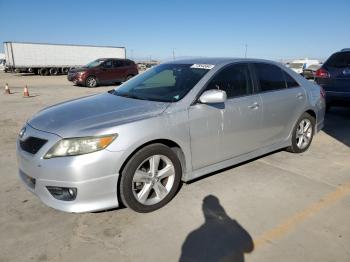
(338, 66)
(283, 101)
(119, 70)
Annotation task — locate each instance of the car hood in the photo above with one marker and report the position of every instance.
(93, 115)
(78, 69)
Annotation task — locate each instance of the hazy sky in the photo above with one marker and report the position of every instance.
(271, 29)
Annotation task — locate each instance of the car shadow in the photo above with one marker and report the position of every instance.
(337, 124)
(220, 238)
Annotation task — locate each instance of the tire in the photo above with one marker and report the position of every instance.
(301, 140)
(53, 71)
(128, 77)
(65, 70)
(44, 72)
(91, 81)
(166, 176)
(328, 107)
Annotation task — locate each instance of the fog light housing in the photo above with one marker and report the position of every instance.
(63, 193)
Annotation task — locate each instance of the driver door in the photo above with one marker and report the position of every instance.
(222, 131)
(106, 72)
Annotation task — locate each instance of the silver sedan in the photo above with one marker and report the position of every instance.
(175, 122)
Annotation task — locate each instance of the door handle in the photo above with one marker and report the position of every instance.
(255, 105)
(300, 95)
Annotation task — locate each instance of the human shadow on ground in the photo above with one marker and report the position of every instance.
(220, 238)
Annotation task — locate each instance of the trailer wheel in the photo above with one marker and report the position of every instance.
(65, 70)
(53, 71)
(44, 72)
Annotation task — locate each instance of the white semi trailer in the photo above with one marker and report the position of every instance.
(54, 59)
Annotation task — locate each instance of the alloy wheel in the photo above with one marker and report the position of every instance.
(304, 133)
(91, 82)
(153, 179)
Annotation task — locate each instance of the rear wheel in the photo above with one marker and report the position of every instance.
(150, 179)
(44, 72)
(91, 81)
(303, 133)
(65, 70)
(128, 77)
(53, 71)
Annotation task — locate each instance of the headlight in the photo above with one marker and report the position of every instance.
(79, 145)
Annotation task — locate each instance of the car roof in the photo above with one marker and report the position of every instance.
(109, 58)
(217, 60)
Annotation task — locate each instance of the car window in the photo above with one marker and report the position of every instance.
(290, 81)
(339, 60)
(234, 80)
(270, 77)
(117, 63)
(164, 78)
(296, 65)
(314, 67)
(108, 64)
(166, 82)
(127, 63)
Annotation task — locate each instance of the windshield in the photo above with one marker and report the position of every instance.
(296, 65)
(165, 83)
(95, 63)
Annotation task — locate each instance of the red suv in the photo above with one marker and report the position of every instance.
(103, 71)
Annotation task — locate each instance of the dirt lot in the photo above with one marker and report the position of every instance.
(281, 207)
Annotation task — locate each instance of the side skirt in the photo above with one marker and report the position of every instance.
(234, 161)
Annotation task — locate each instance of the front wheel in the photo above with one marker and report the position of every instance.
(91, 81)
(150, 179)
(303, 133)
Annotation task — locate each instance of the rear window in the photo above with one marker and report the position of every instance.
(270, 77)
(339, 60)
(314, 67)
(296, 65)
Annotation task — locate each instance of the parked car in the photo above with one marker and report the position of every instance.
(310, 71)
(334, 77)
(103, 71)
(299, 65)
(176, 121)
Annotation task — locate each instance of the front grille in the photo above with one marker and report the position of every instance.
(32, 144)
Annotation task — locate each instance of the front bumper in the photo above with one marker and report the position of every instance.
(95, 176)
(76, 79)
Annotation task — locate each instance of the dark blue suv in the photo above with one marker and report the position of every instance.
(334, 77)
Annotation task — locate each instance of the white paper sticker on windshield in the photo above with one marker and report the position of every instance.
(202, 66)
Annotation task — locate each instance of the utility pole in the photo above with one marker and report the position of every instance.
(173, 54)
(246, 50)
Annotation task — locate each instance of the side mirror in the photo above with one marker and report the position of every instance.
(213, 96)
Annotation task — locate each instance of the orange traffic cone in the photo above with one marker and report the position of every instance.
(26, 92)
(7, 89)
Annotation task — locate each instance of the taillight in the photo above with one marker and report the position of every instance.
(322, 92)
(322, 73)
